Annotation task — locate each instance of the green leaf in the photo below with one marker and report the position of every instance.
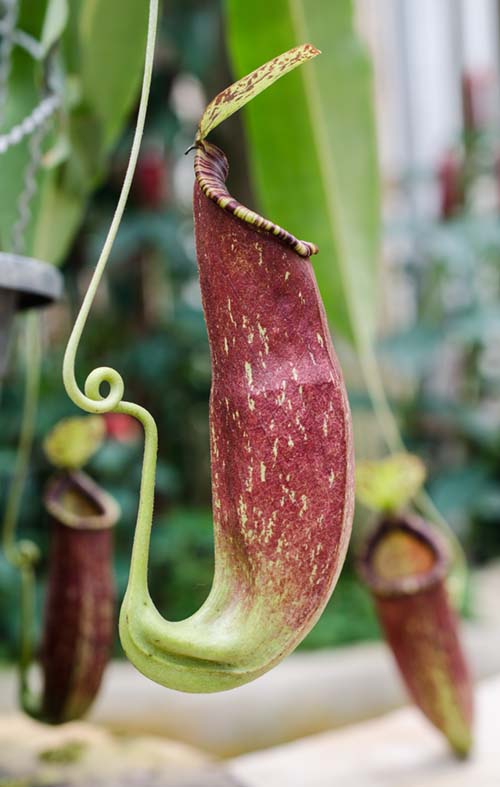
(55, 21)
(244, 90)
(112, 40)
(70, 44)
(31, 16)
(56, 221)
(313, 147)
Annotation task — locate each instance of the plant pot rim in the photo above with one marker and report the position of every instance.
(108, 508)
(36, 283)
(406, 585)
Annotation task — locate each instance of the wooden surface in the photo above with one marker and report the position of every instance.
(399, 750)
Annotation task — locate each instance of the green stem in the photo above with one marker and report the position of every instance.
(13, 553)
(375, 387)
(138, 579)
(29, 702)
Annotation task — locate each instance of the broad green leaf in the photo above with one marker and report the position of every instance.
(112, 40)
(245, 89)
(56, 221)
(313, 148)
(32, 15)
(55, 21)
(70, 45)
(388, 485)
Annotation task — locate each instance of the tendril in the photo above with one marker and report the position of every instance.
(92, 401)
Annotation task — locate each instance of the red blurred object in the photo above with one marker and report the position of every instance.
(451, 185)
(150, 180)
(478, 97)
(122, 427)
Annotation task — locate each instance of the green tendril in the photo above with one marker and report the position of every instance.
(91, 400)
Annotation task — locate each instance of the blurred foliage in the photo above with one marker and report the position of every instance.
(447, 355)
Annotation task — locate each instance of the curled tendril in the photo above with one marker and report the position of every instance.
(92, 401)
(105, 374)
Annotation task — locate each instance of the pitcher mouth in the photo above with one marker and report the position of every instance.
(211, 170)
(75, 500)
(402, 557)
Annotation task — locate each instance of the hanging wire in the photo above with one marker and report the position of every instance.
(11, 37)
(29, 190)
(31, 123)
(23, 40)
(9, 23)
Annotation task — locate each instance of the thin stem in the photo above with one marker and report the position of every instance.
(375, 386)
(28, 702)
(138, 580)
(33, 368)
